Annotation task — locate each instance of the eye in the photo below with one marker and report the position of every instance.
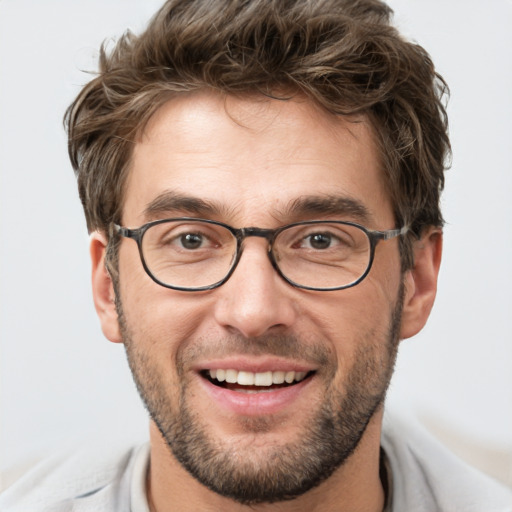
(325, 238)
(186, 238)
(319, 240)
(191, 240)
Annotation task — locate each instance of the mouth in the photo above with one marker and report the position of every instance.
(251, 382)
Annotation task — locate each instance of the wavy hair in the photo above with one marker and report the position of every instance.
(342, 54)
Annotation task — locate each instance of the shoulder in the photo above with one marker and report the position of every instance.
(95, 475)
(427, 477)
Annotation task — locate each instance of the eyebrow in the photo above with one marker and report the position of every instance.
(343, 206)
(170, 202)
(173, 203)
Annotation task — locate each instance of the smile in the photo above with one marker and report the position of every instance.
(245, 381)
(253, 388)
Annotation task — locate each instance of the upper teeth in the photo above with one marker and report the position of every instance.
(256, 379)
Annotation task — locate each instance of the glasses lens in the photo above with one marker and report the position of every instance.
(187, 253)
(322, 255)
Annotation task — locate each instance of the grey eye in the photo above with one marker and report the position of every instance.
(191, 240)
(320, 241)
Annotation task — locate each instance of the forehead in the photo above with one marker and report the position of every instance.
(250, 157)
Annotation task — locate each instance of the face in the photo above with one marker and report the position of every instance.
(264, 163)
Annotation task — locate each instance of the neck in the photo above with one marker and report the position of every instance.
(356, 486)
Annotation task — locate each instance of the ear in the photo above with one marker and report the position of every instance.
(421, 282)
(103, 289)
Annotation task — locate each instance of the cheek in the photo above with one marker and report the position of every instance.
(386, 275)
(355, 321)
(161, 322)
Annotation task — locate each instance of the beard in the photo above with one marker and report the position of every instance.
(255, 472)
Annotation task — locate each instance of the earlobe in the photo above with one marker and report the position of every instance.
(103, 289)
(421, 282)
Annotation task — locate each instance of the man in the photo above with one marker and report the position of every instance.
(278, 167)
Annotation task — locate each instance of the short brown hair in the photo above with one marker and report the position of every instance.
(342, 54)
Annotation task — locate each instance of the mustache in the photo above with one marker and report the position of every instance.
(278, 345)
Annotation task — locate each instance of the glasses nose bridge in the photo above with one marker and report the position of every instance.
(267, 234)
(244, 233)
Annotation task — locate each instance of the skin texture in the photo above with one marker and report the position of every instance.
(251, 159)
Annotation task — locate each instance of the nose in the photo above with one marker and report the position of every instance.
(255, 299)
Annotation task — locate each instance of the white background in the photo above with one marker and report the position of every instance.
(61, 381)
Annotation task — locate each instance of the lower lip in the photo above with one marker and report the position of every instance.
(259, 403)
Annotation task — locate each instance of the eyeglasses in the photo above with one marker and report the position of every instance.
(192, 254)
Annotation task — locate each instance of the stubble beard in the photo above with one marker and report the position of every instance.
(329, 436)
